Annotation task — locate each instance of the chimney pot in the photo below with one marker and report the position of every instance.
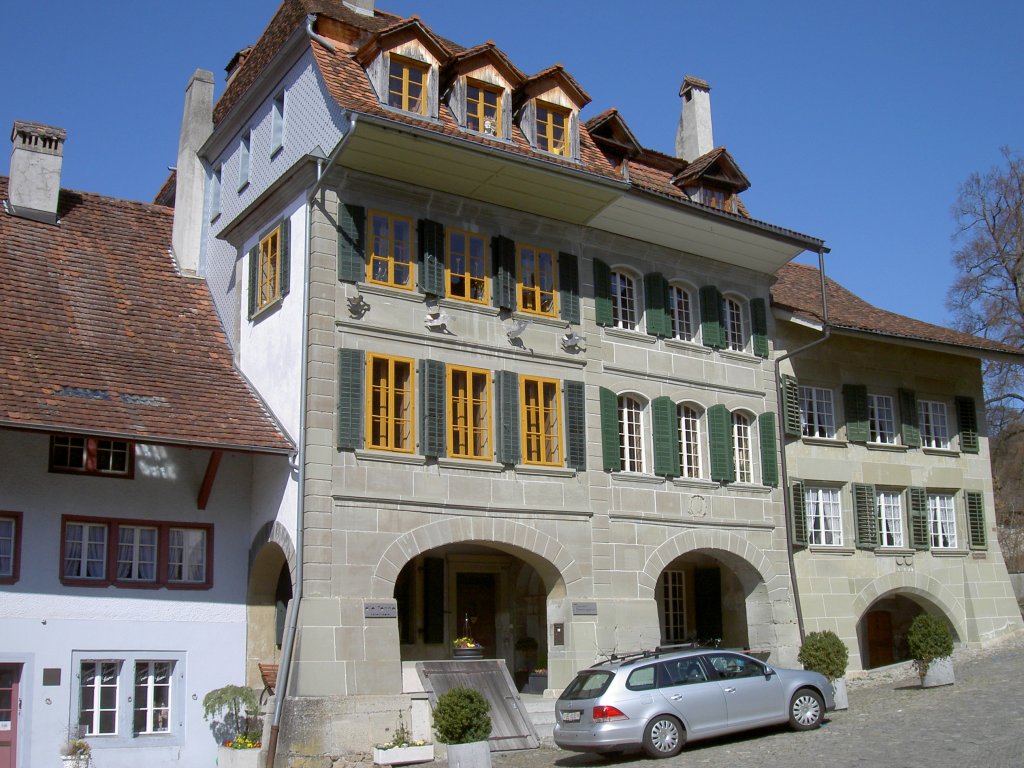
(37, 155)
(694, 135)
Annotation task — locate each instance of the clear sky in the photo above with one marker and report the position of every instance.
(855, 122)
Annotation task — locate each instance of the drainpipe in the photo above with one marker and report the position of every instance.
(781, 429)
(322, 167)
(310, 20)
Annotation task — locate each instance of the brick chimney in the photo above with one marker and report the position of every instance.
(693, 136)
(36, 159)
(190, 176)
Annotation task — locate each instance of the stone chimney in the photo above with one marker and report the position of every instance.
(693, 137)
(190, 176)
(36, 159)
(362, 7)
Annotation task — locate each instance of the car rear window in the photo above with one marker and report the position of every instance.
(588, 684)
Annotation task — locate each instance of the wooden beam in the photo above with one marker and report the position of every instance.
(208, 478)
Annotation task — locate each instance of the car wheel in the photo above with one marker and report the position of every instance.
(806, 710)
(664, 737)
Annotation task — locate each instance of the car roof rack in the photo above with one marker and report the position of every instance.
(630, 656)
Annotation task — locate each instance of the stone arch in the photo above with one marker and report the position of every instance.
(553, 562)
(271, 555)
(273, 533)
(914, 583)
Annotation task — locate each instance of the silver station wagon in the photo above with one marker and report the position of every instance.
(658, 700)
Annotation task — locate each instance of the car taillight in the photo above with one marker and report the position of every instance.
(605, 714)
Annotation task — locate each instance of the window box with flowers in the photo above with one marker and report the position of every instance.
(467, 648)
(402, 749)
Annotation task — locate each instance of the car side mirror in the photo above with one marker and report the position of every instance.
(768, 672)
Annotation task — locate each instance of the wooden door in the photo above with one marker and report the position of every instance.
(879, 639)
(10, 703)
(707, 598)
(475, 603)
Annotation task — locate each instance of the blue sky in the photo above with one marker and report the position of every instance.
(855, 122)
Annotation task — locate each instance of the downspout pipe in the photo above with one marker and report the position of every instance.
(322, 166)
(781, 429)
(310, 21)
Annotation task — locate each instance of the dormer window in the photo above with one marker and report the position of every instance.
(407, 85)
(552, 124)
(483, 108)
(717, 198)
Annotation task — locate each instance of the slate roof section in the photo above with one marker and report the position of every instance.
(101, 335)
(798, 290)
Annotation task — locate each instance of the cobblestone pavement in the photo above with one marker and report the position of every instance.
(976, 723)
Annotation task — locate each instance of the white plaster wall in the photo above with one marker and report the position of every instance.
(43, 623)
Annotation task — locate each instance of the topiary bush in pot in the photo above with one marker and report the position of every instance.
(462, 716)
(928, 640)
(824, 652)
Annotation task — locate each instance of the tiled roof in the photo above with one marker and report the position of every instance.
(798, 289)
(101, 335)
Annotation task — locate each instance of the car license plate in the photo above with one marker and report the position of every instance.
(571, 717)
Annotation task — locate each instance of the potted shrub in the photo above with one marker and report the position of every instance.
(931, 645)
(462, 720)
(402, 749)
(825, 653)
(236, 723)
(76, 753)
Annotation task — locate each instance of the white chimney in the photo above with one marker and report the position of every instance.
(36, 159)
(190, 177)
(362, 7)
(693, 137)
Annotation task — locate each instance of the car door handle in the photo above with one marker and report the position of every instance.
(730, 690)
(676, 697)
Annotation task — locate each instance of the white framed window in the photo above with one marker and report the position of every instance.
(136, 553)
(931, 417)
(817, 412)
(689, 441)
(98, 697)
(631, 434)
(683, 312)
(9, 530)
(244, 149)
(881, 419)
(673, 606)
(734, 324)
(742, 453)
(152, 699)
(890, 518)
(277, 123)
(624, 306)
(942, 521)
(187, 556)
(824, 516)
(85, 551)
(215, 181)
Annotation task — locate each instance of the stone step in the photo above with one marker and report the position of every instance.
(541, 711)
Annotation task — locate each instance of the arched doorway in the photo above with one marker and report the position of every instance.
(270, 592)
(882, 629)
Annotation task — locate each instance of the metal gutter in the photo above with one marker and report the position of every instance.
(284, 669)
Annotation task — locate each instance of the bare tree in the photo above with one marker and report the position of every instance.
(987, 299)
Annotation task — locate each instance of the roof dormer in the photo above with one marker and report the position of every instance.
(713, 179)
(548, 108)
(403, 63)
(478, 84)
(613, 136)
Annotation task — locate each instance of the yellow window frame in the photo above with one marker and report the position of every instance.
(469, 413)
(466, 276)
(268, 280)
(537, 280)
(390, 407)
(540, 421)
(477, 106)
(553, 128)
(403, 75)
(391, 258)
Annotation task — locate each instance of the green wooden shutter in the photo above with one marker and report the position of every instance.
(769, 458)
(611, 460)
(433, 425)
(791, 421)
(602, 293)
(975, 502)
(254, 278)
(911, 434)
(351, 243)
(656, 305)
(430, 235)
(866, 514)
(503, 252)
(855, 404)
(666, 437)
(759, 323)
(284, 264)
(574, 397)
(569, 287)
(798, 513)
(711, 330)
(508, 415)
(351, 369)
(720, 441)
(920, 536)
(967, 423)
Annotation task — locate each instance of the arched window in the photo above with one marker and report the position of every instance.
(624, 303)
(689, 441)
(743, 455)
(631, 434)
